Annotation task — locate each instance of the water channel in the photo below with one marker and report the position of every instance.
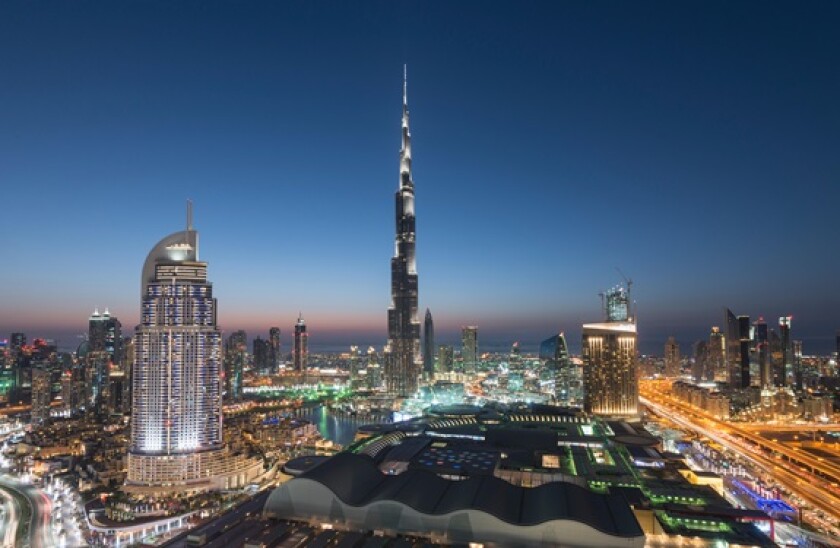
(337, 428)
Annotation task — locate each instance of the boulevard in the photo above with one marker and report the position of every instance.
(813, 480)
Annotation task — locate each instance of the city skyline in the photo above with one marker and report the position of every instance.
(521, 148)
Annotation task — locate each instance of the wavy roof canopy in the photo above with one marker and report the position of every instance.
(356, 481)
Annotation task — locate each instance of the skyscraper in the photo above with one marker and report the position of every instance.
(609, 360)
(716, 370)
(837, 347)
(554, 355)
(41, 395)
(672, 358)
(176, 421)
(236, 355)
(785, 365)
(402, 353)
(103, 352)
(762, 347)
(275, 356)
(261, 355)
(797, 365)
(745, 338)
(428, 345)
(445, 358)
(105, 335)
(618, 304)
(733, 348)
(701, 361)
(469, 348)
(301, 351)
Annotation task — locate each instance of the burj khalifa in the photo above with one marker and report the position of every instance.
(403, 362)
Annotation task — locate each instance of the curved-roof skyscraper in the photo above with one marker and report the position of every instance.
(176, 419)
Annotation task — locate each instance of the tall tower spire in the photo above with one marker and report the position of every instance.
(403, 360)
(405, 150)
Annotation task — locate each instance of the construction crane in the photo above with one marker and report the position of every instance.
(627, 280)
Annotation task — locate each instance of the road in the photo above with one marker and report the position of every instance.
(10, 518)
(39, 533)
(658, 391)
(818, 494)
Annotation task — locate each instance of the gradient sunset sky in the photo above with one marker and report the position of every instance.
(694, 145)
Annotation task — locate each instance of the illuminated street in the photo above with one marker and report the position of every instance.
(26, 500)
(10, 516)
(765, 454)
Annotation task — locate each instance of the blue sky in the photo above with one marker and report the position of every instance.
(693, 145)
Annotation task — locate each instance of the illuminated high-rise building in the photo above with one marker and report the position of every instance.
(762, 348)
(105, 335)
(785, 365)
(41, 395)
(554, 355)
(745, 341)
(609, 369)
(837, 347)
(701, 361)
(469, 348)
(797, 365)
(176, 420)
(275, 351)
(609, 360)
(617, 304)
(446, 357)
(672, 358)
(236, 356)
(301, 350)
(73, 390)
(429, 345)
(738, 340)
(403, 361)
(716, 370)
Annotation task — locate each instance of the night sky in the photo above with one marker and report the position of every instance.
(693, 145)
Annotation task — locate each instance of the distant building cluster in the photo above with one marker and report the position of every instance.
(710, 400)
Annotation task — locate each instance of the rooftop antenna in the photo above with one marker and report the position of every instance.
(189, 215)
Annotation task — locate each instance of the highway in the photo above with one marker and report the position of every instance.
(812, 490)
(9, 518)
(657, 391)
(39, 532)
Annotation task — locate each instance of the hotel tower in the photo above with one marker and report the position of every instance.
(176, 419)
